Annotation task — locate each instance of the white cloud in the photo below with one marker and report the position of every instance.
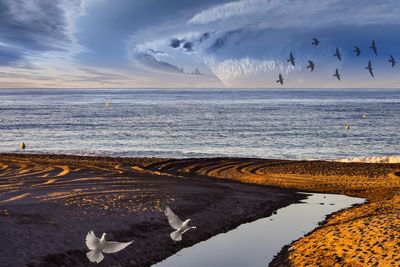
(227, 10)
(301, 13)
(232, 70)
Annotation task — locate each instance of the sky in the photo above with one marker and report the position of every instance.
(196, 43)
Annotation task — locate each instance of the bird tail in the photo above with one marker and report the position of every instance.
(95, 256)
(176, 236)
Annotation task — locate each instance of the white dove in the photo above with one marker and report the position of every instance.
(177, 224)
(97, 246)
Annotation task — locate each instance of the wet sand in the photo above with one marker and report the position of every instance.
(367, 235)
(57, 198)
(49, 203)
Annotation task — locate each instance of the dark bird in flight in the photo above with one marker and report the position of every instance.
(280, 79)
(291, 59)
(373, 47)
(315, 42)
(337, 75)
(311, 65)
(357, 50)
(337, 54)
(392, 60)
(370, 69)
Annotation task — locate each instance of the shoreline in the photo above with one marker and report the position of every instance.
(52, 210)
(375, 182)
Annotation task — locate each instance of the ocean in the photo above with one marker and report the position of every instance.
(281, 124)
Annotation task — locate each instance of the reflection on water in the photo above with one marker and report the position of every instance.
(286, 124)
(255, 244)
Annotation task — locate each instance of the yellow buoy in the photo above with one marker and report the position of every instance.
(22, 146)
(107, 104)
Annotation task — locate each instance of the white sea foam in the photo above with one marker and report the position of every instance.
(382, 159)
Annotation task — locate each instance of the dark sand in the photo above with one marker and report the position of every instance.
(367, 235)
(49, 203)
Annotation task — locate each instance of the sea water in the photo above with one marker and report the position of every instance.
(289, 124)
(255, 244)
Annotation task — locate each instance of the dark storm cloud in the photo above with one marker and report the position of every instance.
(32, 26)
(175, 43)
(111, 23)
(220, 41)
(204, 37)
(188, 46)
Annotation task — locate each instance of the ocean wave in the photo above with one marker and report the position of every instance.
(381, 159)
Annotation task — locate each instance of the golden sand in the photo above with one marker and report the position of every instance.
(366, 235)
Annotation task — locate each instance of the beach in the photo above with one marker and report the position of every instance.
(367, 235)
(51, 201)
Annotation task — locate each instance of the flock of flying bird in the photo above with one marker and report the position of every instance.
(98, 246)
(357, 51)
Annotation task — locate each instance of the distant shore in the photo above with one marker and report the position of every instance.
(59, 197)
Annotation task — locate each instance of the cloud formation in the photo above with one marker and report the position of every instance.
(169, 43)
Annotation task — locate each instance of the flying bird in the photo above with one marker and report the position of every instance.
(315, 42)
(280, 79)
(337, 75)
(99, 246)
(370, 69)
(22, 146)
(337, 54)
(357, 50)
(392, 60)
(291, 59)
(311, 65)
(176, 223)
(373, 47)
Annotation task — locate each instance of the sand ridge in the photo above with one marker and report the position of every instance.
(51, 213)
(367, 235)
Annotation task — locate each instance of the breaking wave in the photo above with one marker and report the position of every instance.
(382, 159)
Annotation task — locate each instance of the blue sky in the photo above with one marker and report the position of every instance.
(197, 43)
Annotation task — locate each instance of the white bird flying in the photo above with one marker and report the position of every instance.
(177, 224)
(99, 246)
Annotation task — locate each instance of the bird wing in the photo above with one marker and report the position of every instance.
(187, 229)
(112, 247)
(370, 72)
(92, 242)
(173, 220)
